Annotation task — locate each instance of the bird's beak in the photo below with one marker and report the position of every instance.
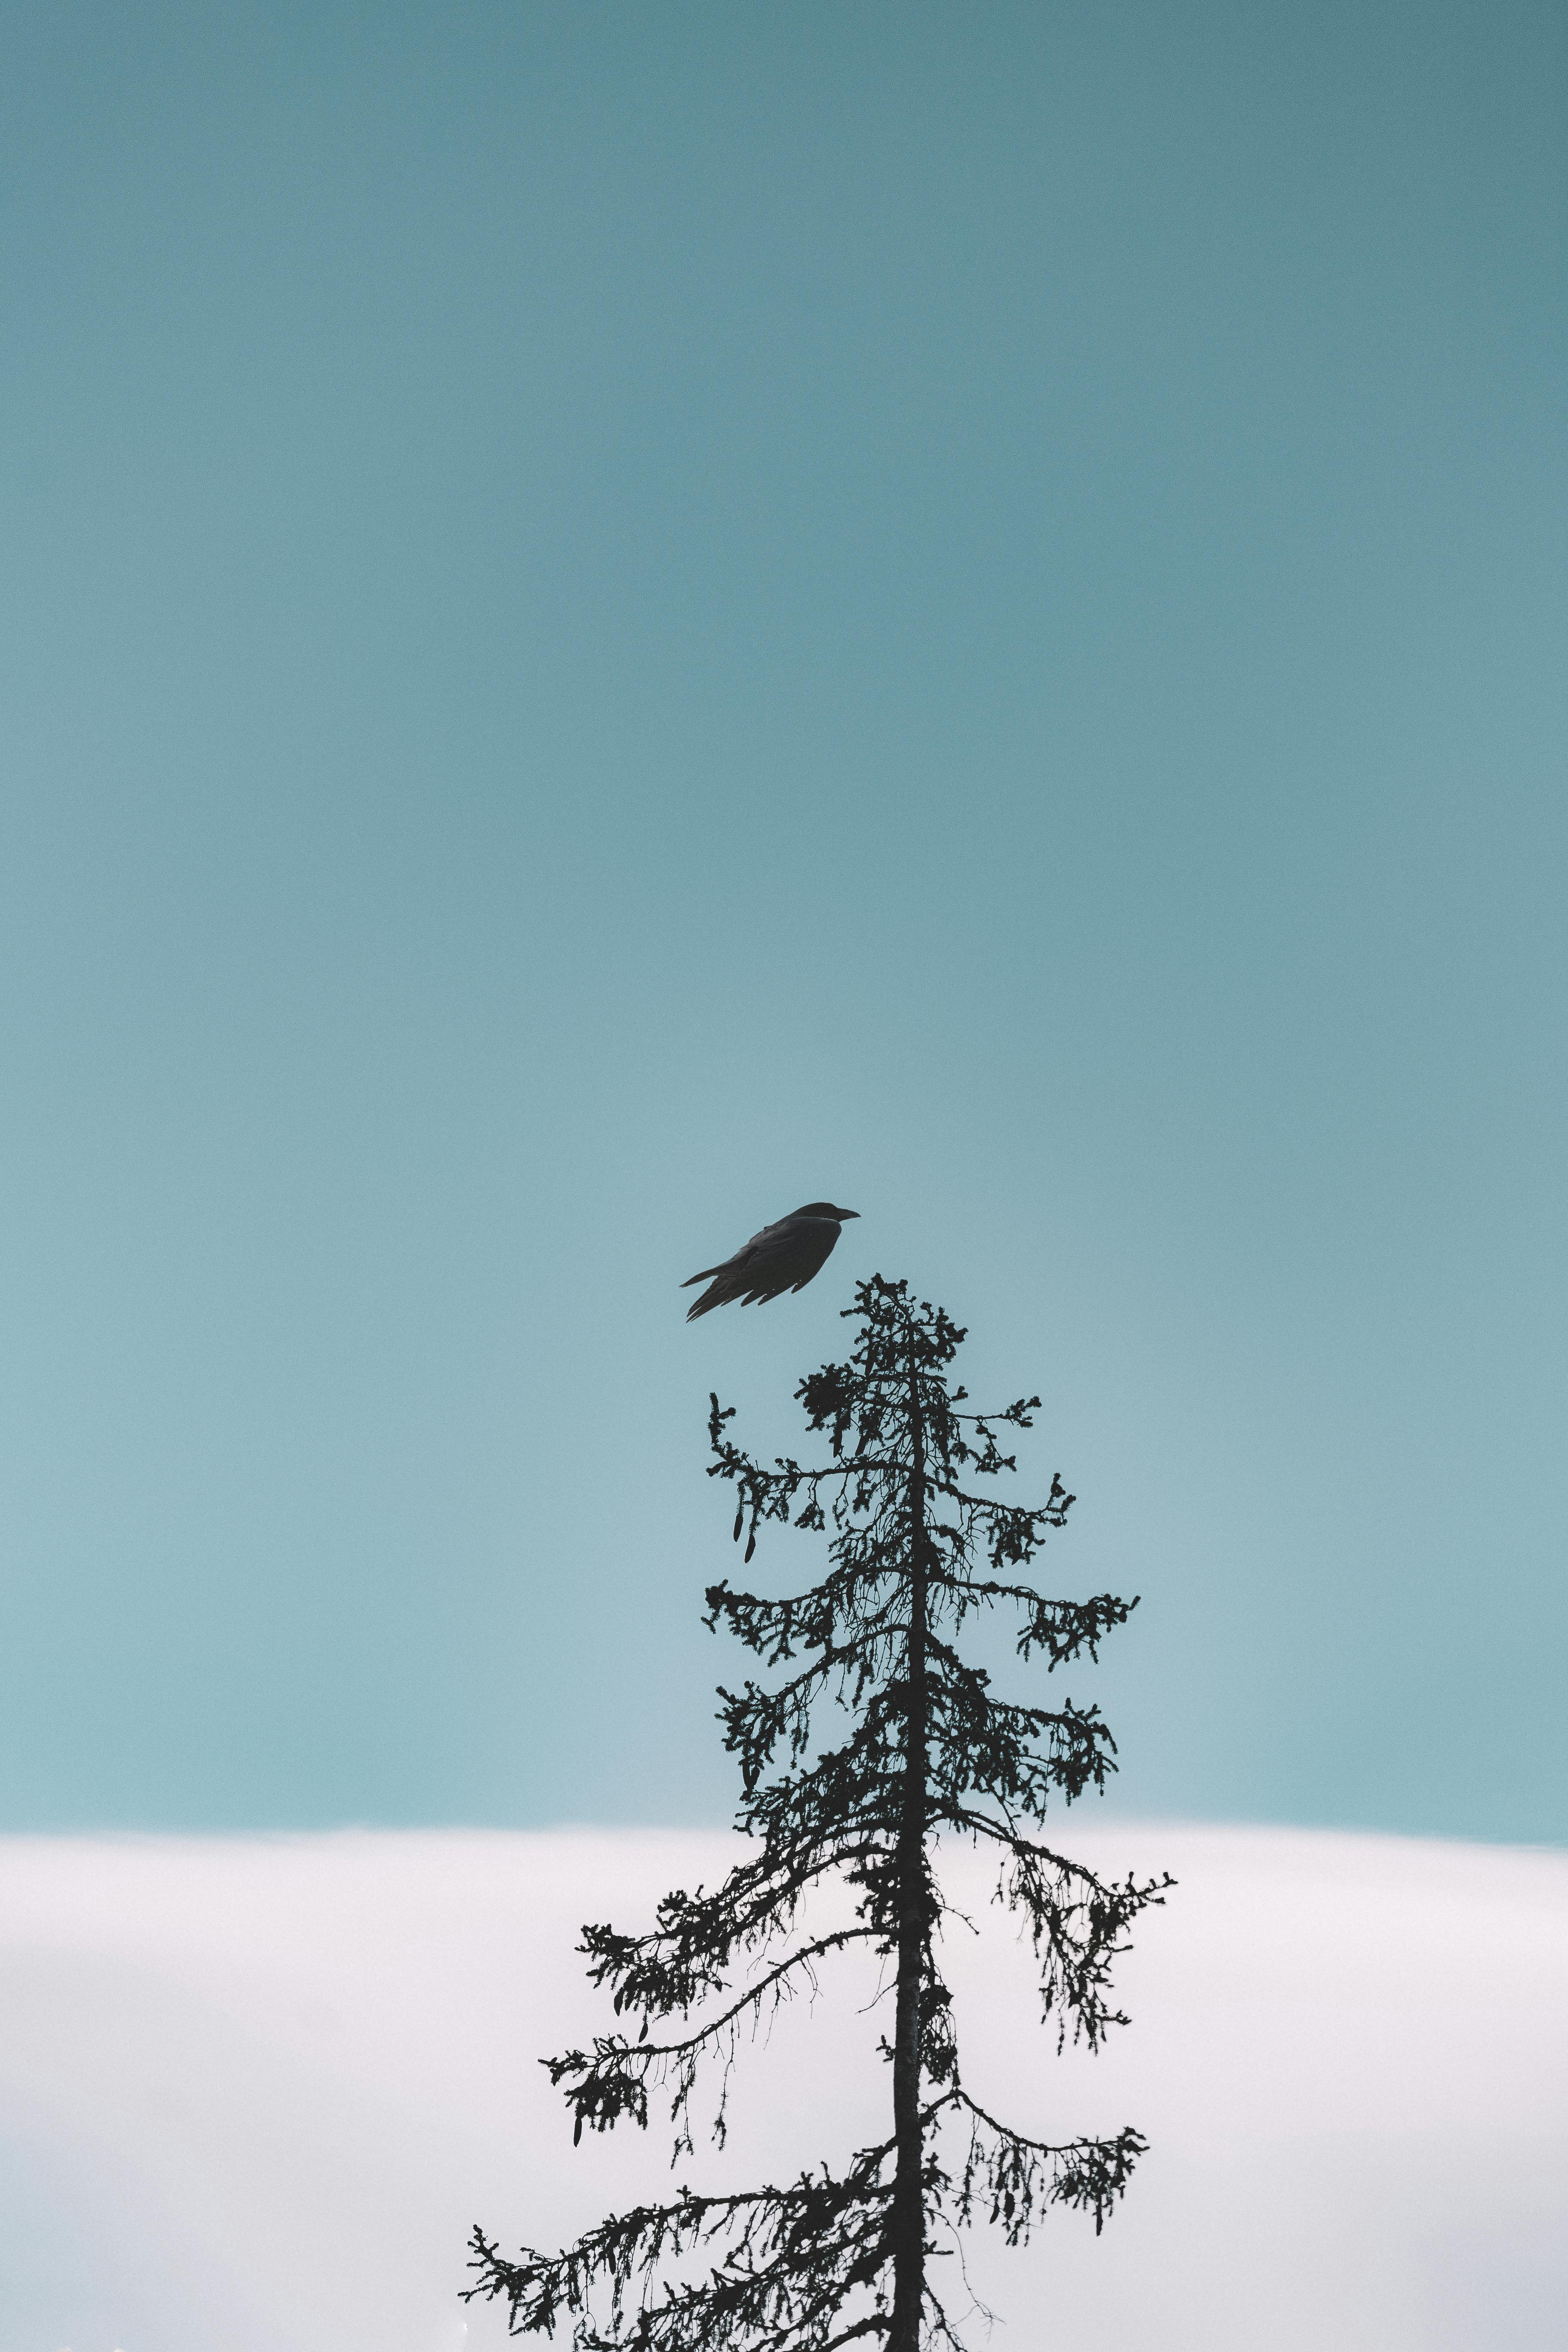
(848, 1212)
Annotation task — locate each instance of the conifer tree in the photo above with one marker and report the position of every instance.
(916, 1550)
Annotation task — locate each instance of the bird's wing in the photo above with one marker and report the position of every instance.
(751, 1272)
(741, 1257)
(782, 1258)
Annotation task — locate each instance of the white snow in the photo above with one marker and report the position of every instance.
(253, 2093)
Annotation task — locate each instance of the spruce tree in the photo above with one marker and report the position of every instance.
(915, 1551)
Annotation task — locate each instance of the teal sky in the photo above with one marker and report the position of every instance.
(617, 618)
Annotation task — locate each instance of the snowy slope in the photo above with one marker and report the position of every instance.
(253, 2093)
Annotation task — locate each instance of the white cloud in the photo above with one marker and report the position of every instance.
(253, 2093)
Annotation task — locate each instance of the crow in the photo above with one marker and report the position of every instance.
(781, 1257)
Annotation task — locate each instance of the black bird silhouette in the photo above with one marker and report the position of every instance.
(781, 1257)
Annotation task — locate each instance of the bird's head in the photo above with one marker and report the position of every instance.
(825, 1209)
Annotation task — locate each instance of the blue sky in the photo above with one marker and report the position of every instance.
(617, 618)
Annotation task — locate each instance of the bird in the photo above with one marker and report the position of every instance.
(783, 1256)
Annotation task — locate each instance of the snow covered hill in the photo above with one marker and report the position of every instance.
(253, 2093)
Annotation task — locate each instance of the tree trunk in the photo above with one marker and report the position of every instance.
(908, 2204)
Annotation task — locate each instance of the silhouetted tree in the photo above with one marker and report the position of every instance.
(834, 2257)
